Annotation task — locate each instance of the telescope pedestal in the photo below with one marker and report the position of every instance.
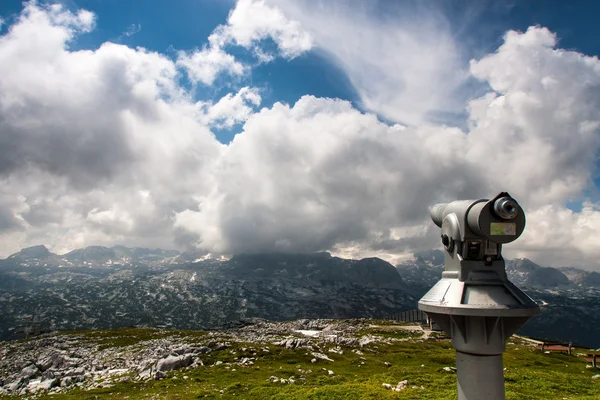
(479, 377)
(479, 316)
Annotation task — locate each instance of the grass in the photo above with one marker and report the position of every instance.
(530, 374)
(388, 331)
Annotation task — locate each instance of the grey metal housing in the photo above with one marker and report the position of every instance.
(474, 302)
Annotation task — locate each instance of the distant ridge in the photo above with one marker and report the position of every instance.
(95, 255)
(99, 287)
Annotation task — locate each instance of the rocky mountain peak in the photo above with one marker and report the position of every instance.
(33, 252)
(91, 254)
(546, 277)
(592, 280)
(521, 264)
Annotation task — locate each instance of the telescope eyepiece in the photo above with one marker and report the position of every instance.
(506, 208)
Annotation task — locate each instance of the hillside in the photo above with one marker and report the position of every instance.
(303, 359)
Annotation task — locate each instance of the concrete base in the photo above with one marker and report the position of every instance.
(479, 377)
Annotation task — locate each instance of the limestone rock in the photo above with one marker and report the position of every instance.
(174, 362)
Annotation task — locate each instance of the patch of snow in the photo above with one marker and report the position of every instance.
(311, 333)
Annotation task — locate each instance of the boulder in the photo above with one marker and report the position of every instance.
(29, 372)
(401, 386)
(14, 385)
(174, 362)
(76, 371)
(48, 384)
(38, 384)
(66, 381)
(53, 359)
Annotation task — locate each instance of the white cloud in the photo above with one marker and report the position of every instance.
(205, 65)
(556, 236)
(538, 133)
(133, 29)
(405, 64)
(248, 24)
(90, 133)
(231, 109)
(318, 174)
(105, 147)
(252, 21)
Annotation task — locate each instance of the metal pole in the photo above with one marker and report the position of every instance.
(479, 377)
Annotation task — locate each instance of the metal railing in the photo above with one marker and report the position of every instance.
(409, 316)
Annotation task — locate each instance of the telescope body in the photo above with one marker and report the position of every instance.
(474, 302)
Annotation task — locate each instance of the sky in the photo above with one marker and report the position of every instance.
(226, 127)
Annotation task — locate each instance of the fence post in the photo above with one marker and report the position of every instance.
(570, 348)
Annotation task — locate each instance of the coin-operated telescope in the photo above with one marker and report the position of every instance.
(474, 302)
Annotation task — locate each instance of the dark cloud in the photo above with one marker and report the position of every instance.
(8, 222)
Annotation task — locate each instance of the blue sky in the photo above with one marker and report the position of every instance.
(390, 106)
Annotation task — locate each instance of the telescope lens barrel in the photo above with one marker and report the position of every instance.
(437, 213)
(506, 208)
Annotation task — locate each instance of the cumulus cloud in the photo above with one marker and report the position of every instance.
(231, 109)
(561, 237)
(83, 133)
(253, 21)
(307, 177)
(537, 133)
(105, 147)
(205, 65)
(249, 24)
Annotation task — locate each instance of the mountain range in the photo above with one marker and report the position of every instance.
(98, 287)
(101, 288)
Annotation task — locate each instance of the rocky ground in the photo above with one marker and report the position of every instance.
(60, 362)
(255, 360)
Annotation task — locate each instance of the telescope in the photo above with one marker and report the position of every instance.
(474, 302)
